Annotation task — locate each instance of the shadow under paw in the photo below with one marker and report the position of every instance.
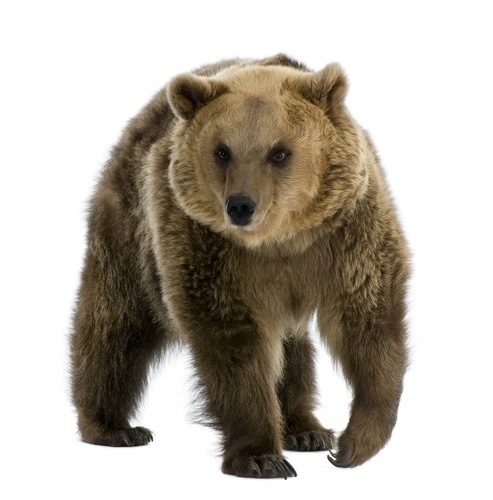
(265, 466)
(309, 441)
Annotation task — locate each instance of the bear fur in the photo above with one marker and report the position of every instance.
(242, 200)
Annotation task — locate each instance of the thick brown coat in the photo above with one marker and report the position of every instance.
(240, 202)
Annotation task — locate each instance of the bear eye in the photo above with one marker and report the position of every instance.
(223, 154)
(279, 156)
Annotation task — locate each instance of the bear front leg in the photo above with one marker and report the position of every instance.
(371, 348)
(297, 395)
(377, 387)
(237, 373)
(113, 342)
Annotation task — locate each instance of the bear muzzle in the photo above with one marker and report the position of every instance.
(240, 209)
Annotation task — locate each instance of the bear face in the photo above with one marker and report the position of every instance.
(261, 154)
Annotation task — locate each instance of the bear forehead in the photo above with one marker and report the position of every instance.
(259, 93)
(246, 121)
(248, 111)
(259, 107)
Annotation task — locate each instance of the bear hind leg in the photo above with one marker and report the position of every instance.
(297, 395)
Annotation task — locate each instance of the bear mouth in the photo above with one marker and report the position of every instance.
(252, 225)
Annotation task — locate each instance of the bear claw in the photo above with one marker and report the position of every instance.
(340, 459)
(309, 441)
(267, 466)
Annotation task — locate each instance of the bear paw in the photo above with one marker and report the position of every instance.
(265, 466)
(343, 457)
(349, 452)
(136, 436)
(309, 441)
(355, 449)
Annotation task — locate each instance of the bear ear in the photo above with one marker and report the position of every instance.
(327, 88)
(188, 93)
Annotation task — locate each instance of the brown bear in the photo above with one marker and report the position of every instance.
(242, 200)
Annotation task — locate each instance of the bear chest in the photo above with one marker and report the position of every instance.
(247, 283)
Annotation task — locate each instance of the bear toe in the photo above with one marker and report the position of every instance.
(309, 441)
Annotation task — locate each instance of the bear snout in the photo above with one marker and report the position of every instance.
(240, 209)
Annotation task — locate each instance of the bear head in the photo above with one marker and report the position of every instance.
(265, 153)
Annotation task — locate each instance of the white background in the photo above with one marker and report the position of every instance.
(73, 73)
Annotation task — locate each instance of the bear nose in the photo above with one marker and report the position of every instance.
(240, 209)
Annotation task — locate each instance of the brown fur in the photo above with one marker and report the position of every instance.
(166, 264)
